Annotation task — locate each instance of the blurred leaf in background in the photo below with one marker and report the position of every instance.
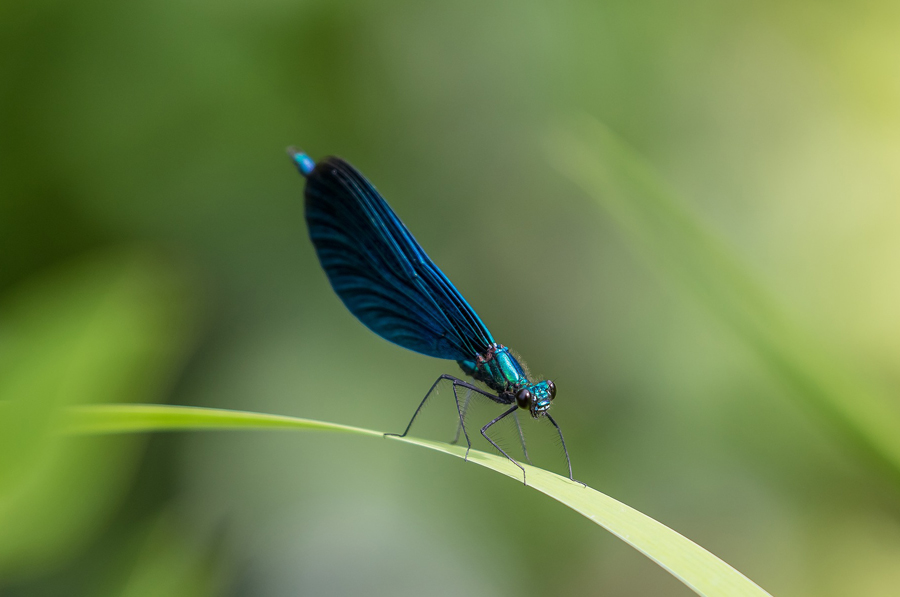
(659, 224)
(111, 327)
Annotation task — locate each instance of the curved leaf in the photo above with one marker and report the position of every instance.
(694, 566)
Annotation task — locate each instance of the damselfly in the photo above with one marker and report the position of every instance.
(388, 282)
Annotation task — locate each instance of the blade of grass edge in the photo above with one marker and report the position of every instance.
(697, 568)
(659, 224)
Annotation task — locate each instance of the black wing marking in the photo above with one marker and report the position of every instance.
(381, 273)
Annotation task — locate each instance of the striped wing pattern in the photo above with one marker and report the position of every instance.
(381, 273)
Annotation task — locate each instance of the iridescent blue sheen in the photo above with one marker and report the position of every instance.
(303, 162)
(389, 283)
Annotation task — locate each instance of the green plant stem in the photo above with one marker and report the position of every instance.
(700, 570)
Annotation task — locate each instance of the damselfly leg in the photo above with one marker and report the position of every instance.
(521, 437)
(465, 409)
(563, 440)
(493, 443)
(459, 409)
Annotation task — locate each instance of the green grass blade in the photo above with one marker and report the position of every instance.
(142, 418)
(694, 566)
(661, 226)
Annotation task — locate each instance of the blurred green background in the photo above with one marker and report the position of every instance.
(153, 249)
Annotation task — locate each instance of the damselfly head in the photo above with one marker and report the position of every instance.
(536, 397)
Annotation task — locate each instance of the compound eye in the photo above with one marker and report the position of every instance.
(551, 387)
(523, 398)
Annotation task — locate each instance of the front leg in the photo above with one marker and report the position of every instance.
(568, 462)
(502, 451)
(522, 437)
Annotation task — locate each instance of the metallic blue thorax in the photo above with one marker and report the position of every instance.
(498, 369)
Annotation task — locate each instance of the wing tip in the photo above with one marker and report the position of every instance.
(303, 162)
